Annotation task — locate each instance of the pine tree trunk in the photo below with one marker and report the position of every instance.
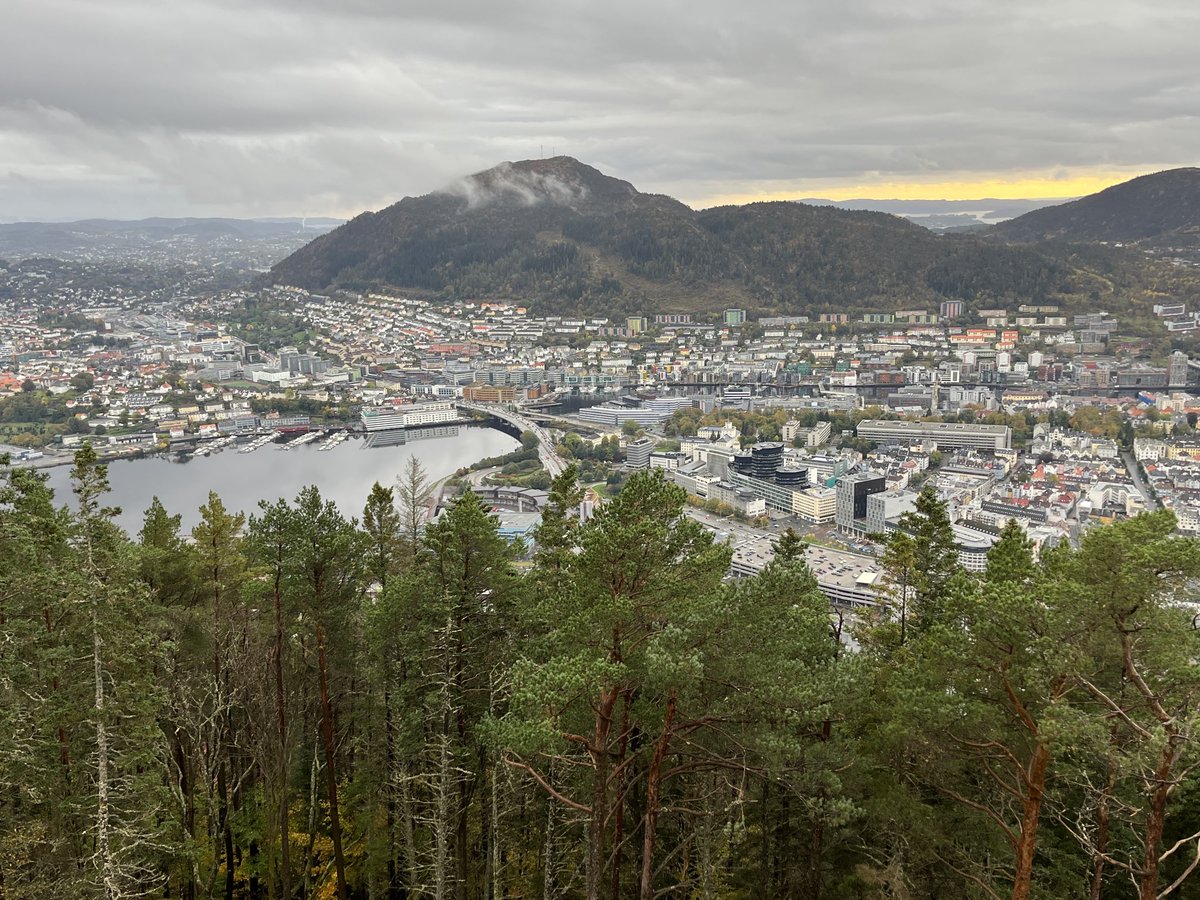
(389, 762)
(653, 799)
(494, 842)
(1156, 818)
(108, 867)
(226, 828)
(550, 846)
(255, 887)
(619, 812)
(441, 823)
(462, 855)
(407, 831)
(597, 821)
(186, 787)
(1035, 788)
(312, 821)
(1102, 824)
(335, 822)
(284, 810)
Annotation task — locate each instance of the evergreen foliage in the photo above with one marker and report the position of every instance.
(300, 705)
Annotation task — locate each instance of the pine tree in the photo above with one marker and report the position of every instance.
(461, 598)
(413, 493)
(221, 571)
(1010, 560)
(166, 565)
(128, 754)
(920, 561)
(637, 560)
(325, 565)
(1144, 648)
(790, 547)
(382, 526)
(43, 819)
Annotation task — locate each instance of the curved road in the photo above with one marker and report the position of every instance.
(553, 463)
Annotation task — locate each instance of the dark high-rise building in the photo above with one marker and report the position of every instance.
(765, 459)
(852, 493)
(743, 462)
(791, 477)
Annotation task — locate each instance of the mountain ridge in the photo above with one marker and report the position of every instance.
(1153, 210)
(563, 236)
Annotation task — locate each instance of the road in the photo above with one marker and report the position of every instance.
(741, 530)
(476, 478)
(551, 461)
(1132, 467)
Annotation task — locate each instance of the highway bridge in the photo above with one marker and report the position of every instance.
(551, 461)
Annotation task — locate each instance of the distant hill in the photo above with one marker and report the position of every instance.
(944, 215)
(563, 236)
(23, 238)
(1162, 209)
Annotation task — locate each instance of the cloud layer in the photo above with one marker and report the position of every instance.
(275, 107)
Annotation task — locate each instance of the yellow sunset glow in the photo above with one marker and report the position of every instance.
(1018, 186)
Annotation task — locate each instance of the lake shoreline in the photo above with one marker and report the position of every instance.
(343, 474)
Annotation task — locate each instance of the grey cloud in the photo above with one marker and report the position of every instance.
(527, 188)
(311, 106)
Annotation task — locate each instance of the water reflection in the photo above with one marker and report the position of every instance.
(344, 474)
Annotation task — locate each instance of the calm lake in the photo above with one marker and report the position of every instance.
(344, 474)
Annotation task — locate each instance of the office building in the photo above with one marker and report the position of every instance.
(954, 435)
(885, 507)
(815, 505)
(1177, 370)
(778, 497)
(852, 494)
(637, 453)
(761, 461)
(794, 433)
(744, 501)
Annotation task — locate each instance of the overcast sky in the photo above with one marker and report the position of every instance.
(128, 108)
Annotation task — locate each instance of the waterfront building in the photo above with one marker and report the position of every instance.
(384, 418)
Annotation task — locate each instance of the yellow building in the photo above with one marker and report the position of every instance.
(816, 505)
(490, 393)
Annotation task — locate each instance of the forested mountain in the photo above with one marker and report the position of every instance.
(301, 705)
(563, 236)
(1162, 209)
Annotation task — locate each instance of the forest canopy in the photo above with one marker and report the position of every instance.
(300, 704)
